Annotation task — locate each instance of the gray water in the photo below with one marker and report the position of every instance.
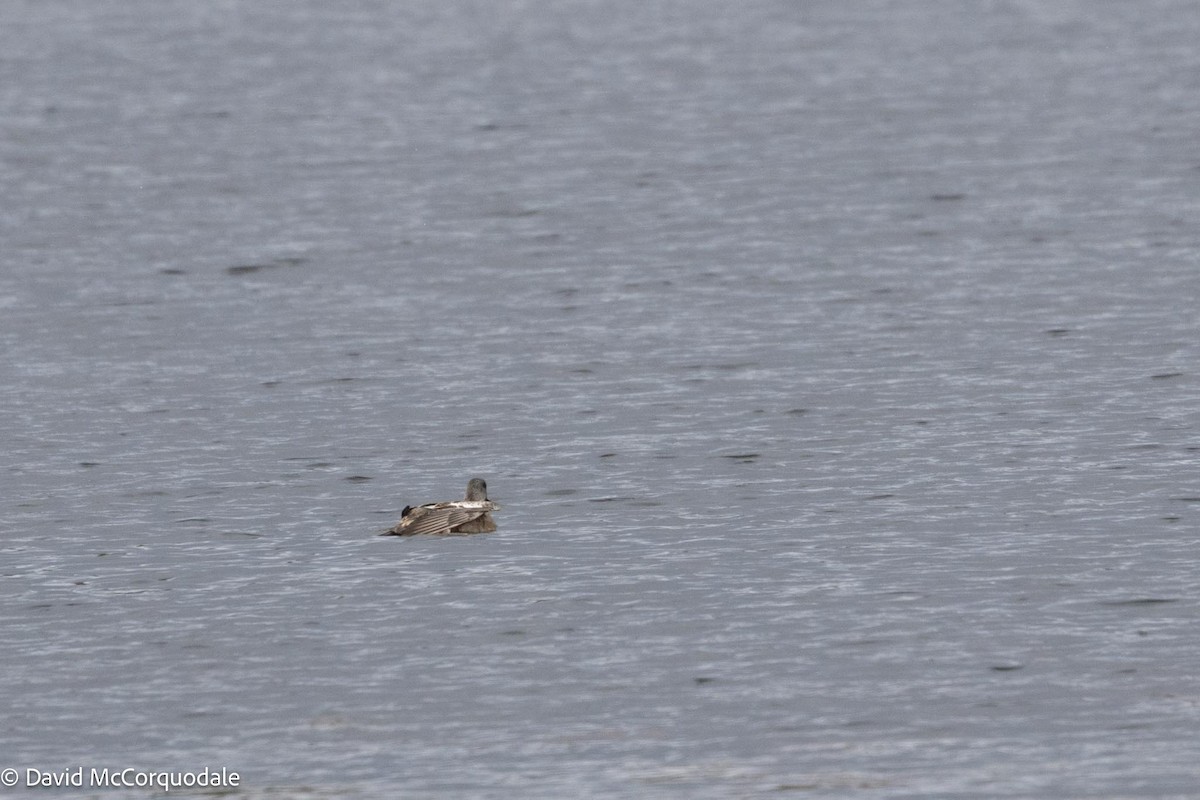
(835, 365)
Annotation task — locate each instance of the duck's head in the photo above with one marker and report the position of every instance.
(477, 489)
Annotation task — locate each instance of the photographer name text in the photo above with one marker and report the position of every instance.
(127, 778)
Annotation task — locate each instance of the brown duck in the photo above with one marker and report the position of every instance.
(470, 515)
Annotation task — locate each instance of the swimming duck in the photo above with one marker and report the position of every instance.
(470, 515)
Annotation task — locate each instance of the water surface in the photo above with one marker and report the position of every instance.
(835, 365)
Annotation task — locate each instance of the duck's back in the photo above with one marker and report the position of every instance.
(456, 516)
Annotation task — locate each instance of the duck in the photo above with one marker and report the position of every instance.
(472, 514)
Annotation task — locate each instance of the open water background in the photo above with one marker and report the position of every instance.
(835, 364)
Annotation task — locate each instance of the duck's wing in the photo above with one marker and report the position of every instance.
(436, 518)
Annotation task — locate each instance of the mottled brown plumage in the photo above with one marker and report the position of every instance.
(470, 515)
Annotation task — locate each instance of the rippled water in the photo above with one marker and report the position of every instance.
(834, 363)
